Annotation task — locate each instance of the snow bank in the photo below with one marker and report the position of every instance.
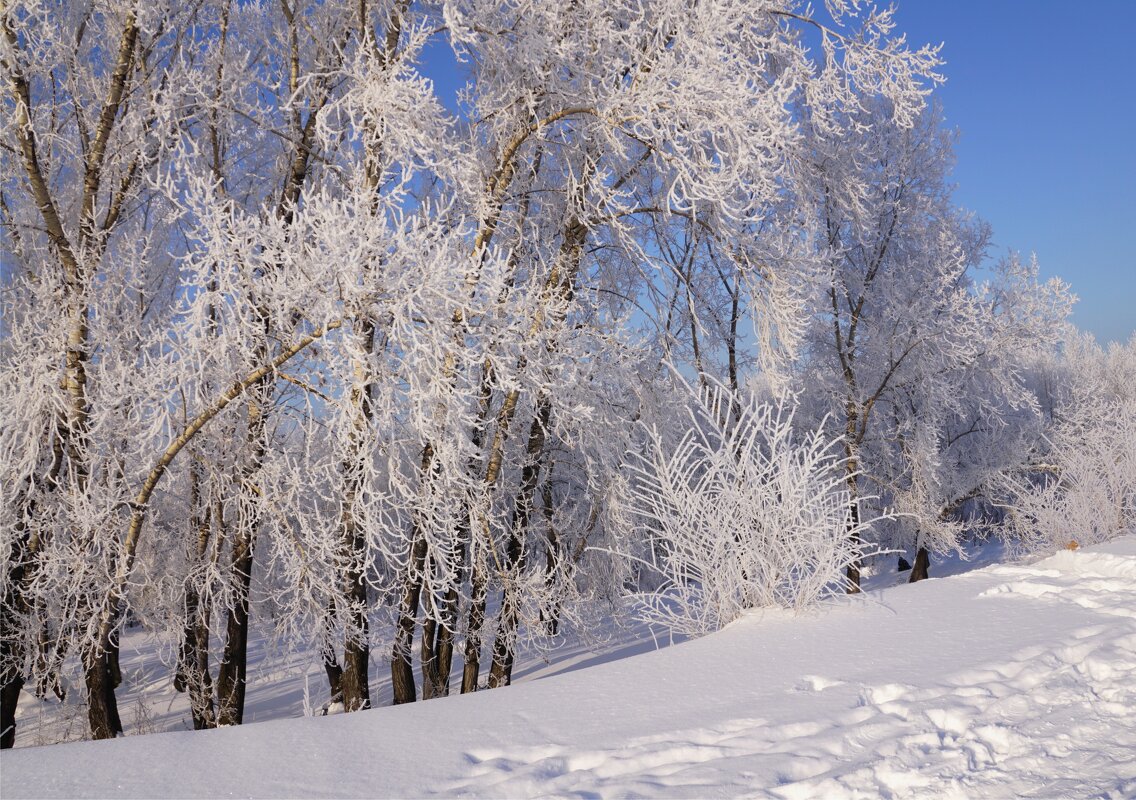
(1012, 680)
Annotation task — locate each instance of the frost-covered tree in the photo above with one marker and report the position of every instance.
(919, 367)
(1080, 487)
(95, 96)
(284, 332)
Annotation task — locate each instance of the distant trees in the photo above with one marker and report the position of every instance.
(289, 348)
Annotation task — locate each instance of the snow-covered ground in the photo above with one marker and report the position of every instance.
(1005, 681)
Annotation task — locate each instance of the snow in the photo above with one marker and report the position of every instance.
(1012, 680)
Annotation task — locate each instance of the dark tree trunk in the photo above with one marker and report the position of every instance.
(234, 661)
(356, 684)
(505, 644)
(10, 685)
(504, 648)
(437, 648)
(195, 652)
(444, 648)
(102, 706)
(402, 671)
(114, 669)
(550, 617)
(428, 656)
(11, 651)
(334, 674)
(331, 666)
(11, 679)
(233, 671)
(355, 680)
(199, 681)
(192, 673)
(52, 652)
(853, 571)
(472, 668)
(921, 569)
(187, 656)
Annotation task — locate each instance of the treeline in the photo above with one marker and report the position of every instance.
(283, 336)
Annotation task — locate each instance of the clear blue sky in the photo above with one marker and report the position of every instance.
(1044, 93)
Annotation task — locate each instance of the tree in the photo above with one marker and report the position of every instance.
(89, 123)
(1079, 488)
(324, 348)
(917, 365)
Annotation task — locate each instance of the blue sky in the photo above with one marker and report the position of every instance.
(1044, 93)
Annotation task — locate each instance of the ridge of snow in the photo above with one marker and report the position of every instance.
(1011, 680)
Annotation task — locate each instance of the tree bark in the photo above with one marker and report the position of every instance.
(355, 679)
(402, 671)
(552, 553)
(437, 651)
(234, 662)
(920, 570)
(331, 666)
(472, 666)
(11, 653)
(504, 647)
(10, 685)
(102, 706)
(851, 465)
(479, 581)
(356, 652)
(193, 660)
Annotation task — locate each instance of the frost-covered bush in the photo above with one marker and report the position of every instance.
(1088, 494)
(740, 514)
(1083, 490)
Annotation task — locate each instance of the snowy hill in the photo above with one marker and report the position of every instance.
(1007, 681)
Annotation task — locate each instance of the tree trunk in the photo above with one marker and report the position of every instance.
(428, 657)
(193, 660)
(234, 662)
(402, 670)
(560, 287)
(437, 651)
(331, 663)
(11, 678)
(472, 667)
(853, 571)
(355, 678)
(102, 706)
(11, 651)
(438, 641)
(10, 685)
(550, 617)
(199, 681)
(504, 648)
(356, 653)
(113, 667)
(353, 579)
(921, 569)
